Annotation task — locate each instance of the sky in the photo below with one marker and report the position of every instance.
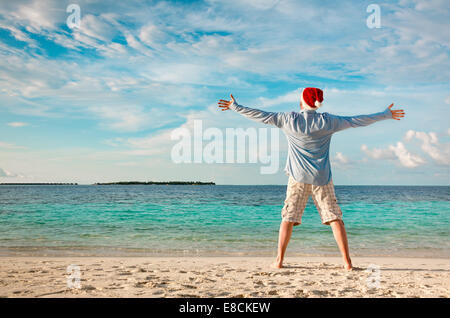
(99, 102)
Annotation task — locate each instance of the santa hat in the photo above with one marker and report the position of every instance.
(312, 98)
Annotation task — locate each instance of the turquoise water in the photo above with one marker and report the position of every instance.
(216, 220)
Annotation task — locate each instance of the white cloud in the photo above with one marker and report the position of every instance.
(131, 118)
(397, 152)
(18, 34)
(161, 142)
(6, 174)
(37, 15)
(431, 146)
(8, 145)
(97, 28)
(152, 35)
(422, 5)
(291, 97)
(378, 153)
(406, 158)
(17, 124)
(341, 158)
(260, 4)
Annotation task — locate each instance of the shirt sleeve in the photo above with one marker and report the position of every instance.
(338, 123)
(276, 119)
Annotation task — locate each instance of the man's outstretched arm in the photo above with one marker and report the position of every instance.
(343, 122)
(276, 119)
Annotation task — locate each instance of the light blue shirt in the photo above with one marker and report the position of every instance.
(309, 134)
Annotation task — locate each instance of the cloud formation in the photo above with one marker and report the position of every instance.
(6, 174)
(440, 153)
(17, 124)
(430, 145)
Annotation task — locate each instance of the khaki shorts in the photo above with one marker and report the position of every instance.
(324, 198)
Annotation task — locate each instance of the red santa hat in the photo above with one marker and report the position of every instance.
(312, 98)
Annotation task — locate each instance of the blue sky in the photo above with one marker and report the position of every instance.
(99, 103)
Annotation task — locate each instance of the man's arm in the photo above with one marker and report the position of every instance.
(277, 119)
(338, 123)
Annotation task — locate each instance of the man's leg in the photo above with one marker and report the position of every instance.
(341, 239)
(297, 194)
(283, 240)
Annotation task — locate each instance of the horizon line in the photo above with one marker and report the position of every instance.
(215, 184)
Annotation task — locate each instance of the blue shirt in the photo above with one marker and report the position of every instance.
(309, 134)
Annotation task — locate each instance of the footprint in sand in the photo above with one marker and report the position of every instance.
(187, 296)
(301, 293)
(158, 292)
(140, 284)
(141, 270)
(88, 288)
(319, 292)
(189, 286)
(124, 274)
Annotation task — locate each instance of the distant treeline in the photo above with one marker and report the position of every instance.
(52, 183)
(158, 183)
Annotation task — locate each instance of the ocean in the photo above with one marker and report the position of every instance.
(216, 220)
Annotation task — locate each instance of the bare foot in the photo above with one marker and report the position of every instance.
(277, 264)
(348, 266)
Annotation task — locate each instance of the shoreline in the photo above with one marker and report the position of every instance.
(223, 277)
(80, 251)
(234, 256)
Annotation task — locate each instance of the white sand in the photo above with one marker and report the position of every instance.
(223, 277)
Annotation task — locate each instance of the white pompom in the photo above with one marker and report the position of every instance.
(317, 103)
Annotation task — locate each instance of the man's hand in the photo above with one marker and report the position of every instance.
(396, 114)
(225, 104)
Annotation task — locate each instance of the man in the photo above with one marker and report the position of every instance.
(308, 166)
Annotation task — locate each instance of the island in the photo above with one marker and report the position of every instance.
(156, 183)
(39, 183)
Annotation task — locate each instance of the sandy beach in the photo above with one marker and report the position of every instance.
(221, 277)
